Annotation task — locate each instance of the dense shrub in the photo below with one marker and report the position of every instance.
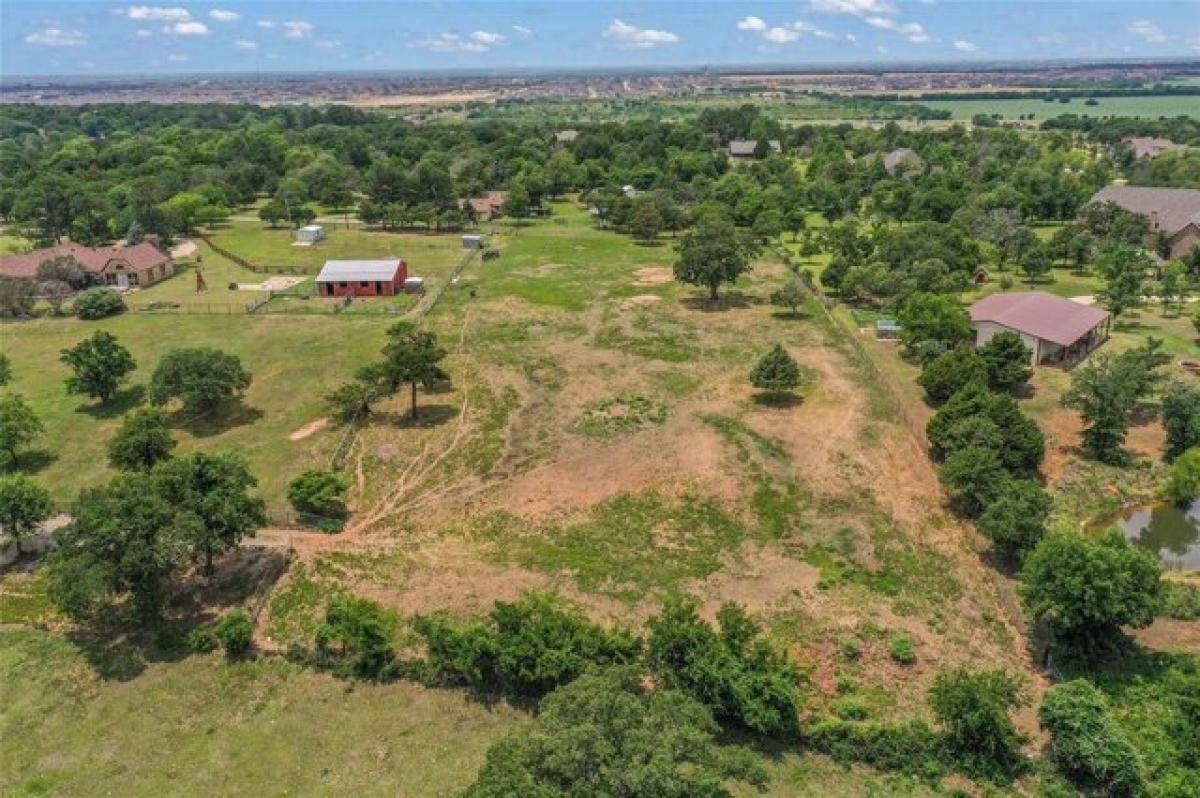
(949, 373)
(529, 647)
(357, 638)
(973, 477)
(973, 710)
(1086, 741)
(1015, 520)
(900, 648)
(739, 677)
(318, 492)
(1023, 444)
(1183, 477)
(1181, 601)
(913, 747)
(1007, 361)
(98, 303)
(235, 632)
(202, 379)
(606, 735)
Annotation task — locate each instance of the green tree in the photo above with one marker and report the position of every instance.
(203, 379)
(98, 303)
(273, 213)
(974, 477)
(605, 734)
(1086, 589)
(24, 505)
(1015, 520)
(142, 441)
(790, 296)
(934, 318)
(1007, 360)
(517, 204)
(353, 400)
(1087, 742)
(99, 364)
(17, 297)
(1181, 418)
(1183, 478)
(647, 221)
(236, 633)
(18, 425)
(63, 268)
(208, 494)
(1124, 271)
(711, 254)
(1106, 393)
(410, 357)
(776, 372)
(950, 372)
(319, 493)
(973, 709)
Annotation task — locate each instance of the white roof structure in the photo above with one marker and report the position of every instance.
(335, 270)
(312, 228)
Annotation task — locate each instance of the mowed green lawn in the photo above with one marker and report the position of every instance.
(1143, 107)
(294, 362)
(86, 720)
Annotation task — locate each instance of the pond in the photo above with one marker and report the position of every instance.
(1169, 531)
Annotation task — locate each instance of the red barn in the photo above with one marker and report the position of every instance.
(362, 277)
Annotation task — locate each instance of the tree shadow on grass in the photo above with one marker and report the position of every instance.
(31, 461)
(778, 400)
(787, 315)
(234, 414)
(121, 403)
(731, 300)
(432, 415)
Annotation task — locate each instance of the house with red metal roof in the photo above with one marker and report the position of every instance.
(139, 265)
(1056, 330)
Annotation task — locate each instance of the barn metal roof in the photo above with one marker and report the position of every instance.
(1051, 318)
(359, 270)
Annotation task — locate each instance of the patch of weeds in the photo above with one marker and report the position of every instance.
(620, 415)
(738, 434)
(846, 683)
(629, 546)
(851, 708)
(490, 435)
(1181, 601)
(296, 607)
(777, 506)
(669, 345)
(676, 383)
(23, 600)
(900, 649)
(852, 648)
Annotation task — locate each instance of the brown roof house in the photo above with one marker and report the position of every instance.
(1148, 147)
(123, 267)
(744, 148)
(488, 206)
(1173, 213)
(1056, 330)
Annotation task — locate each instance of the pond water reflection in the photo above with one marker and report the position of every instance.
(1169, 531)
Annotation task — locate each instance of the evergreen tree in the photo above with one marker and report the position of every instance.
(776, 372)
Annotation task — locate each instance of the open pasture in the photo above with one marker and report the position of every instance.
(1138, 107)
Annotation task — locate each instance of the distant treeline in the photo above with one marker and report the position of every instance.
(1110, 130)
(1049, 95)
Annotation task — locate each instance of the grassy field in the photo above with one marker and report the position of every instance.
(598, 438)
(1145, 107)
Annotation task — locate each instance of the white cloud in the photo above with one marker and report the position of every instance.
(1147, 30)
(1051, 38)
(144, 33)
(266, 24)
(156, 13)
(57, 37)
(962, 45)
(909, 30)
(1193, 42)
(781, 34)
(857, 8)
(177, 57)
(521, 29)
(221, 15)
(452, 43)
(190, 28)
(850, 37)
(297, 29)
(328, 44)
(246, 44)
(631, 36)
(487, 38)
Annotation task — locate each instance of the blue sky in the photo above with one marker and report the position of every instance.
(48, 37)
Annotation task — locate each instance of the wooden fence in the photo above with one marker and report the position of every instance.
(245, 264)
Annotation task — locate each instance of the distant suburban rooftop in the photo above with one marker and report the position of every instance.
(312, 228)
(1045, 316)
(566, 136)
(1173, 208)
(93, 259)
(1150, 147)
(746, 147)
(359, 270)
(901, 157)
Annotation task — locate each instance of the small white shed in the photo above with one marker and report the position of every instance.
(310, 233)
(472, 242)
